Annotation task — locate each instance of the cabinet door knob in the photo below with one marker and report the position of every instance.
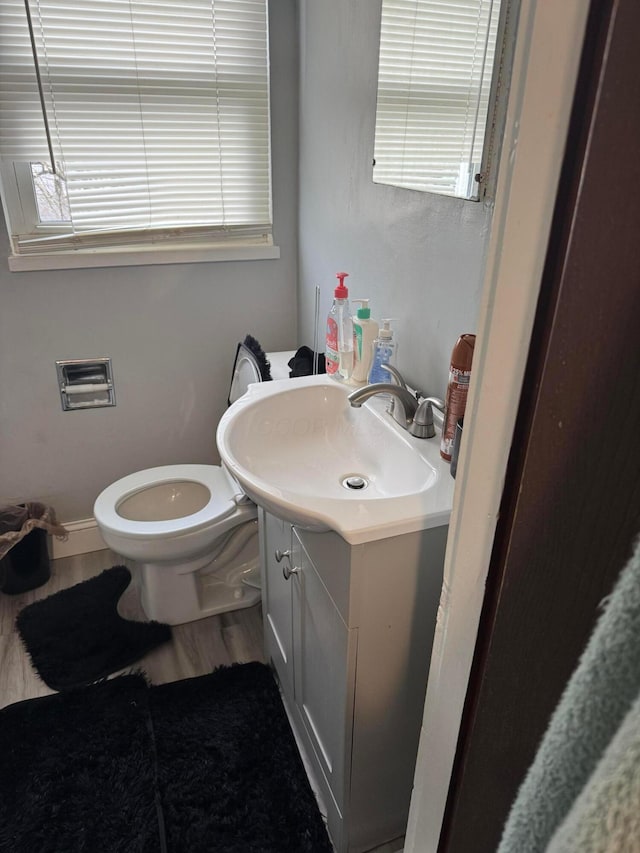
(287, 571)
(280, 555)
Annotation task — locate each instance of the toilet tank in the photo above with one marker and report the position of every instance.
(246, 369)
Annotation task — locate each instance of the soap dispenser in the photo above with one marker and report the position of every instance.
(339, 342)
(383, 351)
(365, 330)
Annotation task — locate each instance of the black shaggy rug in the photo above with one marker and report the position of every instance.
(78, 772)
(76, 636)
(205, 764)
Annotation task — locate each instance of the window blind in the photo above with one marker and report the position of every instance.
(436, 60)
(158, 116)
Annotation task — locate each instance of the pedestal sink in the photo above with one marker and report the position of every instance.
(302, 452)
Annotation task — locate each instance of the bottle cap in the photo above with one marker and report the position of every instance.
(462, 354)
(341, 291)
(386, 332)
(363, 312)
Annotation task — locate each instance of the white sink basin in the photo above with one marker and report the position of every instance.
(302, 452)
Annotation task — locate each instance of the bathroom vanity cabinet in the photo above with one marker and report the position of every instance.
(348, 630)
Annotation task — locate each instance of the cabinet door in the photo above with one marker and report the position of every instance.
(323, 650)
(276, 603)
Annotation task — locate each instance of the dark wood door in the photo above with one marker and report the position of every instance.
(571, 505)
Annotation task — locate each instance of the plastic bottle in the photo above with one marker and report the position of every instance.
(365, 330)
(339, 343)
(383, 351)
(457, 390)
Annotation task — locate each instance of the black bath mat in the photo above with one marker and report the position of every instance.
(78, 772)
(205, 764)
(76, 636)
(231, 779)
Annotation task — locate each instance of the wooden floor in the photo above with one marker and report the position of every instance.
(196, 648)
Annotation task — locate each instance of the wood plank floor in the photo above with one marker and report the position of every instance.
(196, 648)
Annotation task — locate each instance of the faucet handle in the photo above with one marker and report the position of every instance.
(438, 402)
(422, 425)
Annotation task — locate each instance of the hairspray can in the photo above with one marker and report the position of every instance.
(457, 389)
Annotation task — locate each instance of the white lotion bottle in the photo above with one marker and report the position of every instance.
(365, 331)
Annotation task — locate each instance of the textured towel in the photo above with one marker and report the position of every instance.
(595, 702)
(606, 816)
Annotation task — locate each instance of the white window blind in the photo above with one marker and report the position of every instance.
(436, 59)
(158, 115)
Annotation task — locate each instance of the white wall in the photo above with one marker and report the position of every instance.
(418, 256)
(170, 330)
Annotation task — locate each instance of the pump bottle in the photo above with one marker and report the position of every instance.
(383, 352)
(365, 331)
(339, 343)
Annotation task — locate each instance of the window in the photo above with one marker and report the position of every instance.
(134, 123)
(434, 85)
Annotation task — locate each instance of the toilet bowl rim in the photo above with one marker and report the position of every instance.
(222, 502)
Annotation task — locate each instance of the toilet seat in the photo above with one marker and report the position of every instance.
(221, 503)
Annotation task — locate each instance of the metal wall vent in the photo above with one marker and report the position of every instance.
(86, 383)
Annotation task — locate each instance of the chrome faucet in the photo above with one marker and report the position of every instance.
(405, 406)
(407, 411)
(395, 374)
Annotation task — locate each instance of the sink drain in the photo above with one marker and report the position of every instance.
(355, 482)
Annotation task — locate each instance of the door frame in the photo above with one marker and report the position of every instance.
(548, 47)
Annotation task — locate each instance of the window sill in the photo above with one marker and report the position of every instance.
(86, 258)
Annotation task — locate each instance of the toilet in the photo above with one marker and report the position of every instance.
(191, 531)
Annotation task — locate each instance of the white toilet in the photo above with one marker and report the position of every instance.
(190, 529)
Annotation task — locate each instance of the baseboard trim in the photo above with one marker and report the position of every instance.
(84, 537)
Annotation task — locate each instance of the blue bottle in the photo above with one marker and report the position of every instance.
(384, 348)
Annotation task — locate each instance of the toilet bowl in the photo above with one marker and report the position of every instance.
(190, 530)
(193, 536)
